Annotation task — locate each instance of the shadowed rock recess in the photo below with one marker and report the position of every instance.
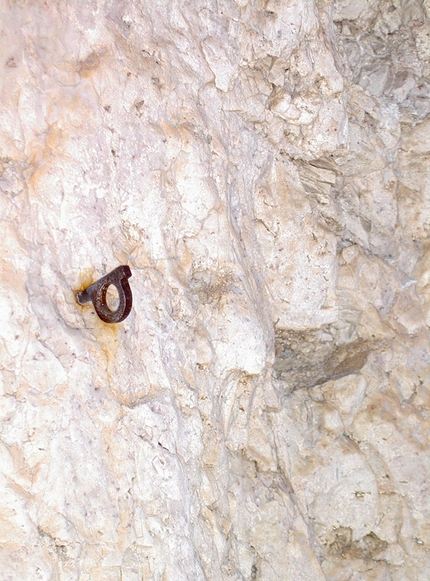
(263, 168)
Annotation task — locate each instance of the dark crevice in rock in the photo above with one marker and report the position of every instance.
(303, 360)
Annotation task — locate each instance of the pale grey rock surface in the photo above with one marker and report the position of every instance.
(263, 168)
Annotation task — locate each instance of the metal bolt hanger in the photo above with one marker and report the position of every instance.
(96, 293)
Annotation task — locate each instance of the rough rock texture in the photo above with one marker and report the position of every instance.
(263, 413)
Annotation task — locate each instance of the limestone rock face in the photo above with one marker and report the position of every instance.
(263, 168)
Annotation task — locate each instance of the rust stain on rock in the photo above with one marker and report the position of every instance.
(90, 64)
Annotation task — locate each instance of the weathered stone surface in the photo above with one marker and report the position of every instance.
(263, 168)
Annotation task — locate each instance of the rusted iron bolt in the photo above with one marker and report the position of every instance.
(96, 293)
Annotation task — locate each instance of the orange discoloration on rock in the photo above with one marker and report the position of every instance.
(42, 155)
(87, 279)
(90, 64)
(105, 334)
